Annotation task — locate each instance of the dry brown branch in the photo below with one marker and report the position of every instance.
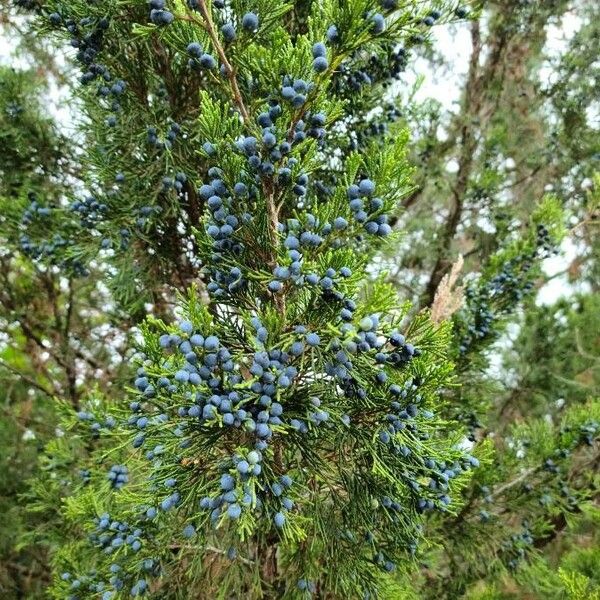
(448, 296)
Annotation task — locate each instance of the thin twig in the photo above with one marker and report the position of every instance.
(32, 382)
(209, 26)
(516, 481)
(210, 549)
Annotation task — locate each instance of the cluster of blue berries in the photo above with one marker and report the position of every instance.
(295, 91)
(349, 78)
(35, 214)
(250, 21)
(199, 59)
(34, 221)
(176, 183)
(438, 483)
(263, 154)
(373, 129)
(431, 18)
(96, 424)
(82, 586)
(301, 238)
(238, 494)
(367, 210)
(47, 249)
(89, 210)
(221, 202)
(381, 557)
(394, 351)
(110, 534)
(87, 37)
(228, 404)
(404, 408)
(170, 501)
(205, 373)
(158, 13)
(316, 415)
(229, 209)
(115, 90)
(118, 476)
(517, 546)
(163, 142)
(119, 580)
(381, 69)
(491, 299)
(221, 228)
(204, 381)
(320, 62)
(208, 365)
(34, 211)
(160, 16)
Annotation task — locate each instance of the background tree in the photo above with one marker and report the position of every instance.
(526, 124)
(60, 329)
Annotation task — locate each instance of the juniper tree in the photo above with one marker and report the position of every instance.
(289, 420)
(295, 430)
(502, 193)
(30, 152)
(549, 487)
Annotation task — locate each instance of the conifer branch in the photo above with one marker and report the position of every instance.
(514, 482)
